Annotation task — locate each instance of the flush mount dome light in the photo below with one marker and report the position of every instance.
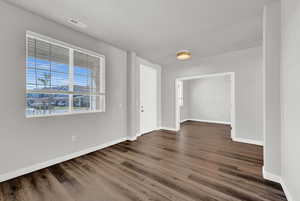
(183, 55)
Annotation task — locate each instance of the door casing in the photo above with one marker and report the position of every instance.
(148, 99)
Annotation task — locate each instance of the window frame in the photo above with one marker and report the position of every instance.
(70, 92)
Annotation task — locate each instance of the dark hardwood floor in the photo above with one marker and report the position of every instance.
(199, 163)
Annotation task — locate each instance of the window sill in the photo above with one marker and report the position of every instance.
(63, 114)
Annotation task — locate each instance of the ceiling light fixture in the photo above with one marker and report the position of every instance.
(183, 55)
(77, 23)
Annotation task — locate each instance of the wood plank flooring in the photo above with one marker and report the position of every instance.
(199, 163)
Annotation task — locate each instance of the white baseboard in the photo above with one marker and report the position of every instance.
(272, 177)
(207, 121)
(169, 129)
(181, 121)
(148, 131)
(132, 138)
(38, 166)
(286, 191)
(275, 178)
(23, 171)
(248, 141)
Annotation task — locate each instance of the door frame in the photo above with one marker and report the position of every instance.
(144, 62)
(232, 98)
(140, 108)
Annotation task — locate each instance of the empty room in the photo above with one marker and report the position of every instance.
(149, 100)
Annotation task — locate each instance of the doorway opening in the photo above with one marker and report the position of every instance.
(207, 98)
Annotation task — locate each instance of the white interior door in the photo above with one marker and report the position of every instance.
(148, 99)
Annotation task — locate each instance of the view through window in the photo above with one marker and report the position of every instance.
(61, 79)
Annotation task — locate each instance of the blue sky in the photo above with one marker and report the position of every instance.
(59, 73)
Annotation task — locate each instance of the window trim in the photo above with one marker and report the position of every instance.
(70, 92)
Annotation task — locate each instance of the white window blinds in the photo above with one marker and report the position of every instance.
(62, 79)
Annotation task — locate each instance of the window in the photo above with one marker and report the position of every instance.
(62, 79)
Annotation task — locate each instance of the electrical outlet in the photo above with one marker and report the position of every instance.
(74, 138)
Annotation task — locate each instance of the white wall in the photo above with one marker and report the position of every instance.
(209, 98)
(247, 65)
(133, 90)
(271, 67)
(185, 109)
(290, 96)
(25, 142)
